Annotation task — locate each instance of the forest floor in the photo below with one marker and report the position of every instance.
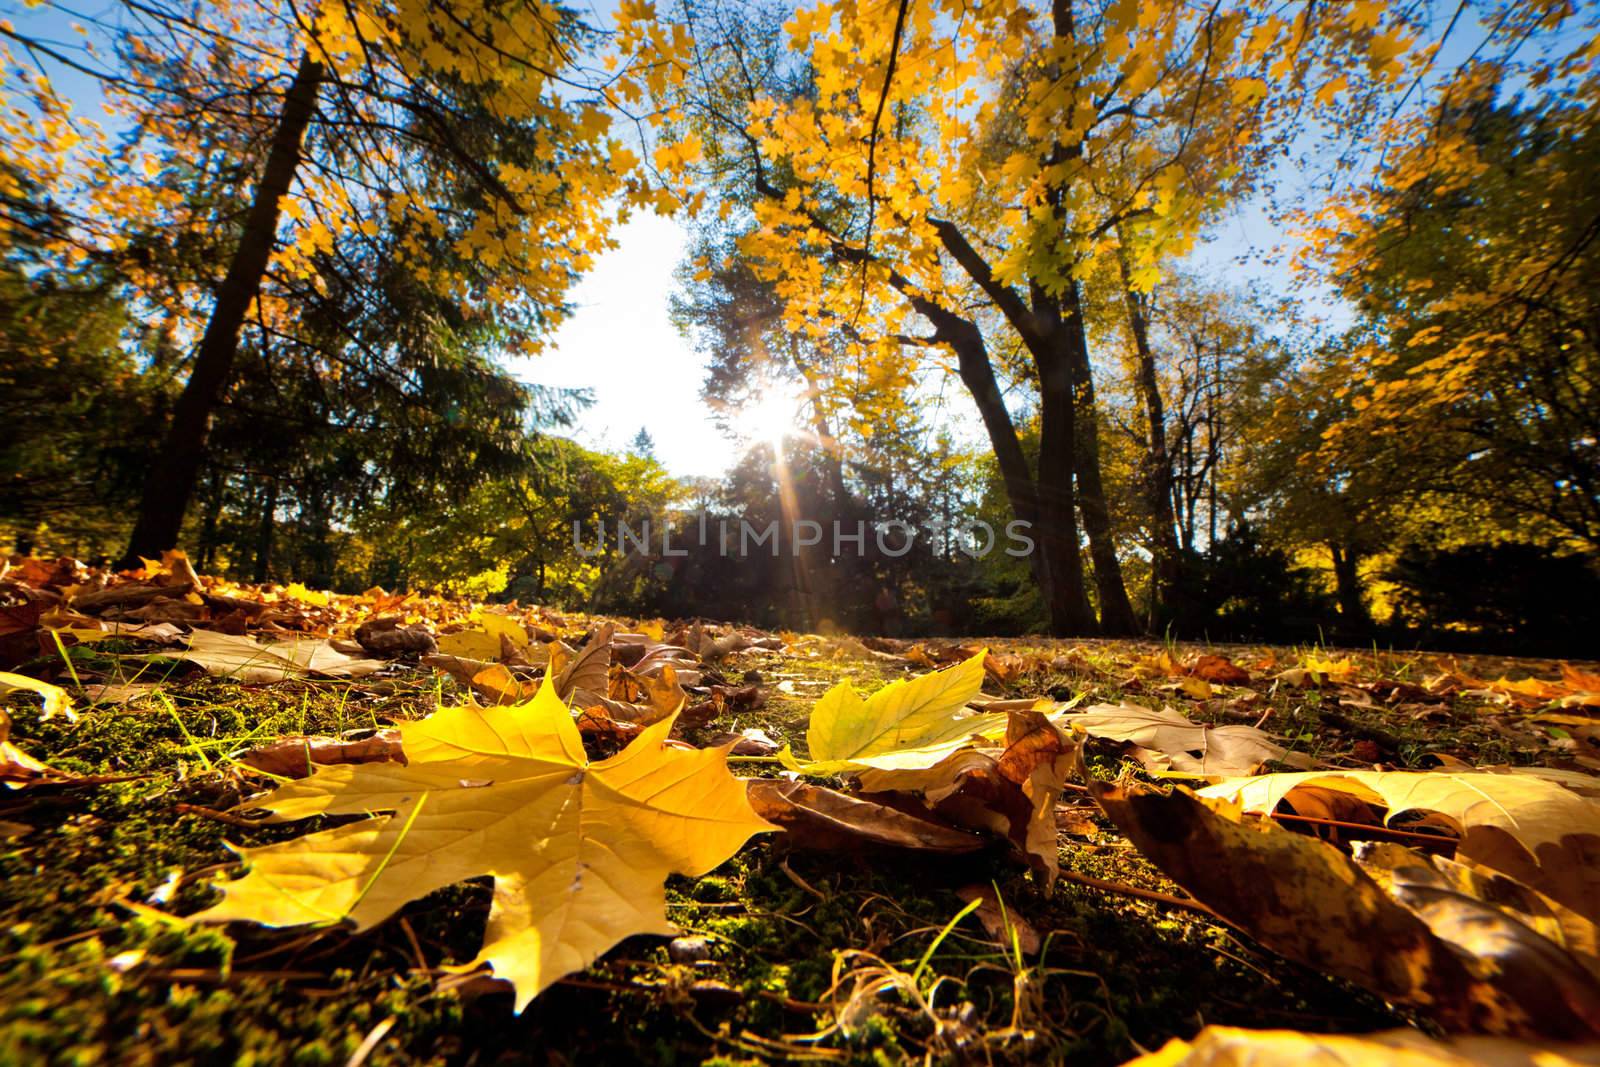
(782, 944)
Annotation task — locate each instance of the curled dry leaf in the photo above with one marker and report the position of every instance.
(751, 741)
(386, 635)
(1532, 827)
(1008, 791)
(1220, 670)
(1311, 903)
(817, 818)
(129, 595)
(298, 756)
(1469, 906)
(579, 851)
(1228, 1046)
(1167, 740)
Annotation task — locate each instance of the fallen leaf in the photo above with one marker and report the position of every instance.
(1229, 1046)
(1469, 906)
(1311, 903)
(1220, 670)
(822, 819)
(1004, 926)
(295, 757)
(1530, 826)
(387, 636)
(751, 741)
(56, 701)
(470, 644)
(244, 659)
(1008, 791)
(579, 851)
(496, 683)
(1332, 670)
(1183, 745)
(906, 724)
(17, 768)
(1194, 688)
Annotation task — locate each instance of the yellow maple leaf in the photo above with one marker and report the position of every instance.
(907, 724)
(579, 851)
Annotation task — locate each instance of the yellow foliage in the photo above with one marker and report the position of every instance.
(579, 851)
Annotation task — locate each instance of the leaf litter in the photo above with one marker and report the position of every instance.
(1325, 817)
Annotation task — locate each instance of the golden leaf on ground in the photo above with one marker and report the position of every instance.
(496, 683)
(579, 851)
(1229, 1046)
(914, 723)
(471, 644)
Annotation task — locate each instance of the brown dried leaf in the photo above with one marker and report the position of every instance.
(827, 820)
(1309, 902)
(294, 757)
(1000, 922)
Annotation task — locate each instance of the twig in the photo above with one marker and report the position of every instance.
(216, 816)
(1142, 894)
(783, 865)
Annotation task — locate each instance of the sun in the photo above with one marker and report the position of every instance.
(769, 417)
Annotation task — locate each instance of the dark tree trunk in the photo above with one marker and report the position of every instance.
(1045, 504)
(1158, 464)
(1057, 532)
(208, 524)
(1116, 612)
(1353, 617)
(264, 531)
(172, 476)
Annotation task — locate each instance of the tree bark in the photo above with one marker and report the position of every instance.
(1116, 611)
(1347, 584)
(264, 532)
(1158, 464)
(1044, 504)
(1070, 611)
(171, 480)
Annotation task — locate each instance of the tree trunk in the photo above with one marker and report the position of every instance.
(264, 531)
(1353, 617)
(172, 475)
(1057, 535)
(1116, 612)
(208, 525)
(1158, 464)
(1046, 504)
